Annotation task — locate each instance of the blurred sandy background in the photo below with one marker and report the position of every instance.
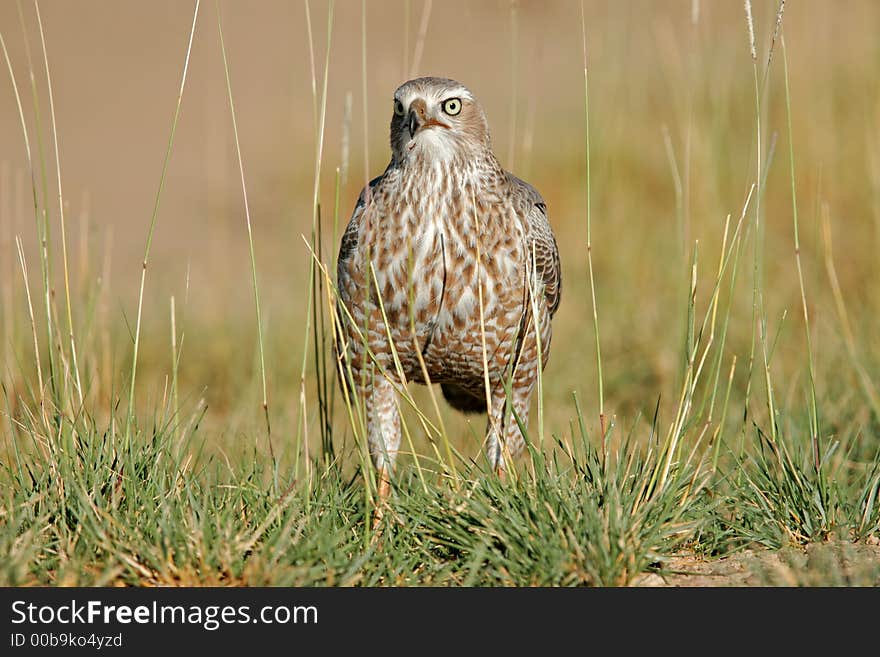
(680, 68)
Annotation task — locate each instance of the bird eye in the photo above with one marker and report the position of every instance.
(398, 107)
(452, 106)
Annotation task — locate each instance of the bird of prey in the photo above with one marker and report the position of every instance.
(448, 272)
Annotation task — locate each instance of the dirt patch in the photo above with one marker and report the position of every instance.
(822, 564)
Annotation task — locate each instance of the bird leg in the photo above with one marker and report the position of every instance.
(384, 488)
(383, 492)
(504, 440)
(384, 439)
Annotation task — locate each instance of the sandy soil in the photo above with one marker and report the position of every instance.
(825, 564)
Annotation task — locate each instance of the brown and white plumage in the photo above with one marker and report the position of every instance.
(443, 234)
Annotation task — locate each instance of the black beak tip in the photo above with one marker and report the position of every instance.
(412, 124)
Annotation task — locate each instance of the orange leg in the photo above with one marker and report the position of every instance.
(383, 492)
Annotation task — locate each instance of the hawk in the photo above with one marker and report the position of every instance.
(448, 268)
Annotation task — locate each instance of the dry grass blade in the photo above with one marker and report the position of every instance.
(65, 259)
(602, 428)
(129, 424)
(250, 233)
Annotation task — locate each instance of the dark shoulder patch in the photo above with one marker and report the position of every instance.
(349, 241)
(362, 197)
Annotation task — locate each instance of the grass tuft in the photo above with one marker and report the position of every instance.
(758, 440)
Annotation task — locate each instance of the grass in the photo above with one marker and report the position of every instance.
(743, 416)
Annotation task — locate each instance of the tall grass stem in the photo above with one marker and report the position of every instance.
(250, 233)
(129, 422)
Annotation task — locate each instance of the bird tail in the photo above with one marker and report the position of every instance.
(463, 400)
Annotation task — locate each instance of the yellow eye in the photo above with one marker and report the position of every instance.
(398, 107)
(452, 106)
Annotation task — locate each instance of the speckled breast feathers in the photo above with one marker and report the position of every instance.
(448, 267)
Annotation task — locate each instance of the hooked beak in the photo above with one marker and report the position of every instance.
(414, 123)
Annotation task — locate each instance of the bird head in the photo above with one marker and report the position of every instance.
(436, 118)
